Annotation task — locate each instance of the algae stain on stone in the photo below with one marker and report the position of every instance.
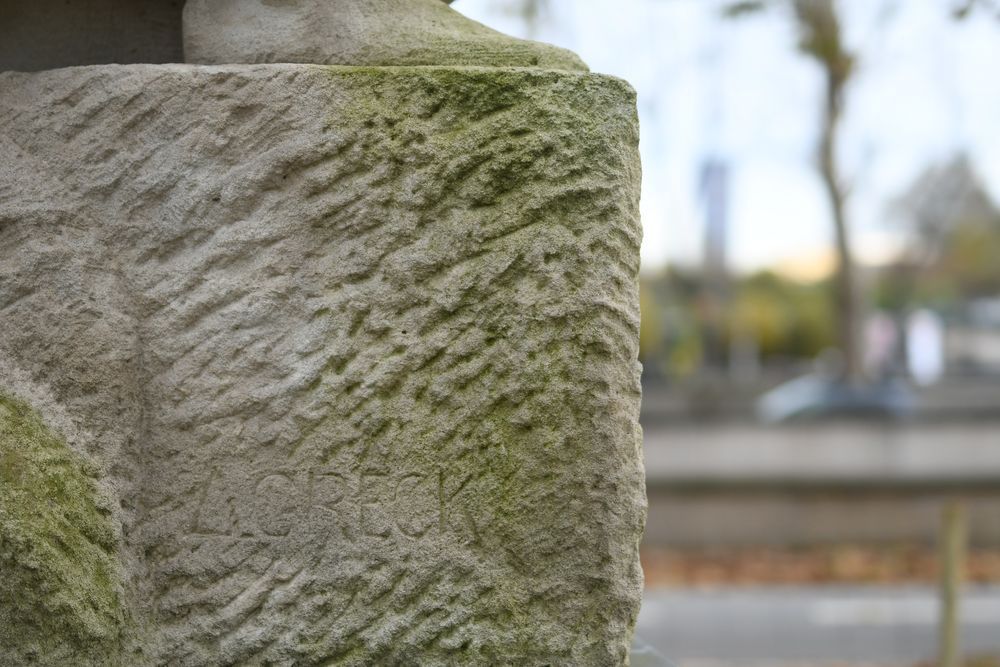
(60, 580)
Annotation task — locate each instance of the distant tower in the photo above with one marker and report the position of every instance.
(714, 192)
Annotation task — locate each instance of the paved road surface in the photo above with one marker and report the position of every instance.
(773, 626)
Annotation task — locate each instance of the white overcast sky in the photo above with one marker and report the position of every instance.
(928, 87)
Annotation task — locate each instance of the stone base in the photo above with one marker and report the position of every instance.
(354, 347)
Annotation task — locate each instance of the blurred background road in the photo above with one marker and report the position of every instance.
(818, 625)
(820, 336)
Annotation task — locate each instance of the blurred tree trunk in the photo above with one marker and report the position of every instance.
(821, 38)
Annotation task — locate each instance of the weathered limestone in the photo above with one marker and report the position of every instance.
(354, 348)
(348, 32)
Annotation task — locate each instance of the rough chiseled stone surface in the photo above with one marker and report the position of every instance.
(354, 347)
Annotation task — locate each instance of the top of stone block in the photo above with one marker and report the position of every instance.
(49, 34)
(347, 32)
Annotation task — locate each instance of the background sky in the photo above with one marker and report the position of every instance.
(928, 87)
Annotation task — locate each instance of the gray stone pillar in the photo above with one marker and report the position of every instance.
(351, 351)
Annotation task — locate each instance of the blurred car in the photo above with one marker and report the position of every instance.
(820, 396)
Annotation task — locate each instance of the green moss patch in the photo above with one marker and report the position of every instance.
(59, 574)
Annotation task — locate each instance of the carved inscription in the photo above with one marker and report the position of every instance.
(361, 504)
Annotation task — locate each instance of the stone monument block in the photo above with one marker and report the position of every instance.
(337, 365)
